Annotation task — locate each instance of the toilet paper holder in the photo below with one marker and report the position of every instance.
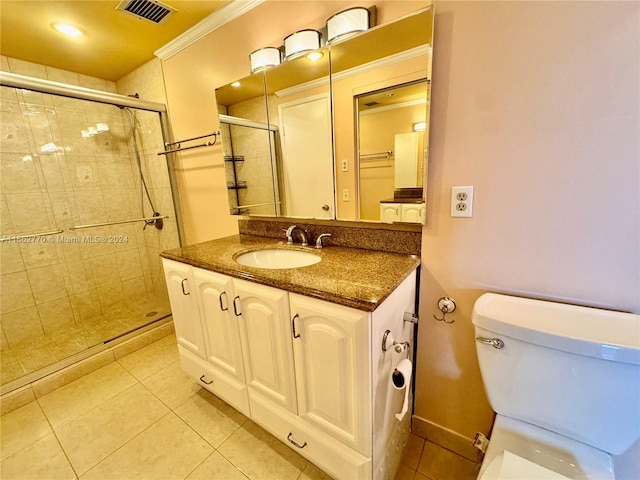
(388, 342)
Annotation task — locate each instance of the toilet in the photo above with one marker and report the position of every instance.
(564, 382)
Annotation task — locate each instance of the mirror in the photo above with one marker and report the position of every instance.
(248, 146)
(313, 125)
(392, 153)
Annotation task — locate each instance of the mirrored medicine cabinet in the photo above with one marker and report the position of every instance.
(342, 137)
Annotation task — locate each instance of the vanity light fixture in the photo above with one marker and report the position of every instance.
(348, 21)
(419, 127)
(67, 29)
(264, 58)
(301, 42)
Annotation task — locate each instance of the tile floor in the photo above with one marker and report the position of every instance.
(32, 354)
(141, 417)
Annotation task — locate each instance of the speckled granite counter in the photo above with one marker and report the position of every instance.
(353, 277)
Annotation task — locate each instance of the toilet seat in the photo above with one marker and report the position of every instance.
(509, 466)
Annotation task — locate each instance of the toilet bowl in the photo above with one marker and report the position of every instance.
(564, 382)
(509, 466)
(537, 454)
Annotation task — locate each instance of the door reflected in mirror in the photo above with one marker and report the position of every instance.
(392, 153)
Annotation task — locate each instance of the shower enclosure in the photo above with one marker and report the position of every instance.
(87, 206)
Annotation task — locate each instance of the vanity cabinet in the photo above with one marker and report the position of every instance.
(179, 278)
(309, 371)
(333, 369)
(402, 212)
(207, 331)
(263, 315)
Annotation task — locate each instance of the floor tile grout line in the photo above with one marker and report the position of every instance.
(130, 440)
(93, 409)
(55, 435)
(102, 402)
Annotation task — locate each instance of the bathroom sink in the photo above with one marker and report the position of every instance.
(277, 259)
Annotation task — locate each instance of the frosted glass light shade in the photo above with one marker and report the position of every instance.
(264, 58)
(348, 21)
(301, 42)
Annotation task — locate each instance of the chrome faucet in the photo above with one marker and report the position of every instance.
(319, 239)
(303, 236)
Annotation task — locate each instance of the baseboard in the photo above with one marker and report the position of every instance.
(446, 438)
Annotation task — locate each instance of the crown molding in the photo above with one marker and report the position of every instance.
(224, 14)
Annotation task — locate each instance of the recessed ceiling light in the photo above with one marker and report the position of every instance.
(67, 29)
(236, 84)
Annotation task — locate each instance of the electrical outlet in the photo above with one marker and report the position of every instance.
(462, 201)
(345, 165)
(345, 195)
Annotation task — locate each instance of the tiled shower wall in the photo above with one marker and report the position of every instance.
(256, 147)
(53, 178)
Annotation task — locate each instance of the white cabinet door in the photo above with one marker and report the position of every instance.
(184, 307)
(333, 369)
(265, 330)
(412, 212)
(220, 326)
(390, 212)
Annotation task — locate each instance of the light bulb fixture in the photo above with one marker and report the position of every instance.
(265, 58)
(348, 21)
(67, 29)
(301, 42)
(236, 84)
(315, 55)
(419, 127)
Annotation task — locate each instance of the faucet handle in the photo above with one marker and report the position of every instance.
(319, 239)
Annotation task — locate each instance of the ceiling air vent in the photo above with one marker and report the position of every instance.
(153, 11)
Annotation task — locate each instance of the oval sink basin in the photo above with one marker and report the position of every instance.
(277, 259)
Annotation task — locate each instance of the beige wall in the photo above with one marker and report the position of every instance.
(192, 75)
(536, 105)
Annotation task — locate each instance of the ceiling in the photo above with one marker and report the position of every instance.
(115, 42)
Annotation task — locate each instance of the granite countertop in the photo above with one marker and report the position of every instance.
(353, 277)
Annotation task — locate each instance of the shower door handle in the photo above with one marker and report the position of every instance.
(184, 292)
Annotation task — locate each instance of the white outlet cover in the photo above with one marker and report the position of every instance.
(462, 208)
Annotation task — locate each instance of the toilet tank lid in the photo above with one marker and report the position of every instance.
(595, 332)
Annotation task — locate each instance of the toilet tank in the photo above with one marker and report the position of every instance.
(570, 369)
